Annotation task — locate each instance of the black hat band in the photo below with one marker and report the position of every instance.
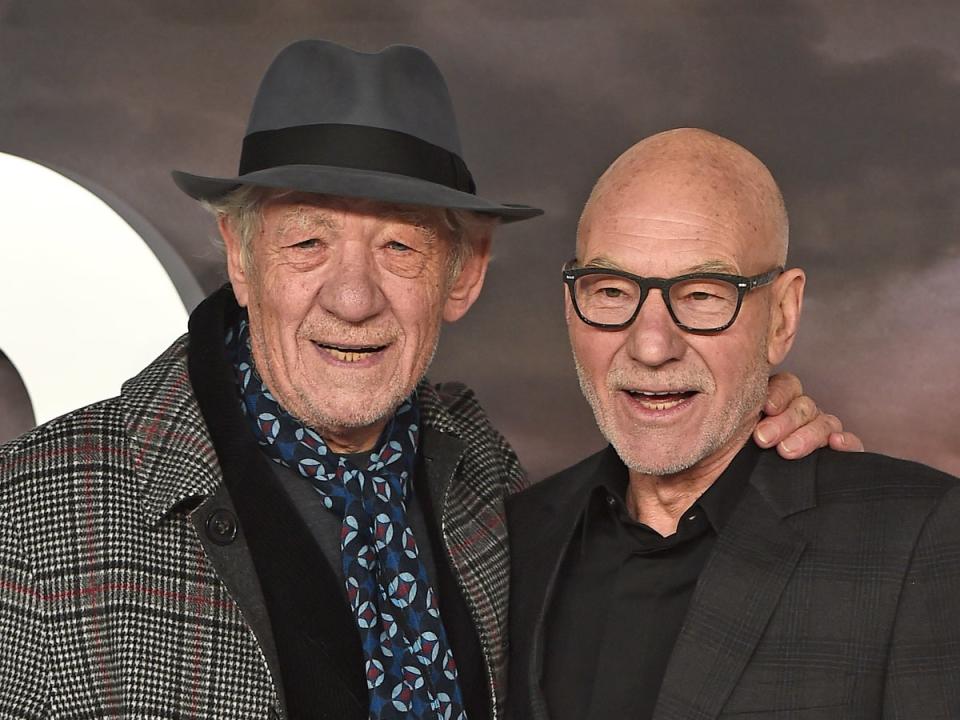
(358, 147)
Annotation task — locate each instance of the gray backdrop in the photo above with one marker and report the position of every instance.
(853, 105)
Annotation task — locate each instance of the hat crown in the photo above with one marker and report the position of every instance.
(316, 82)
(333, 121)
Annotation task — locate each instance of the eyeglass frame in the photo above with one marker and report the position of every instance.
(742, 283)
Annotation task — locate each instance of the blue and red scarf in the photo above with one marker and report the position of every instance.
(410, 669)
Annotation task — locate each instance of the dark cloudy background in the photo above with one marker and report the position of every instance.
(854, 106)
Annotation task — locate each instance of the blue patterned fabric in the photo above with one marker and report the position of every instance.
(410, 669)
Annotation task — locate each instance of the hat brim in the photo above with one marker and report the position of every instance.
(349, 182)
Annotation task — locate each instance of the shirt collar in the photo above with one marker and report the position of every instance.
(720, 499)
(611, 478)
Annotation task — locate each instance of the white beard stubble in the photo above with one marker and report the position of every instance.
(717, 430)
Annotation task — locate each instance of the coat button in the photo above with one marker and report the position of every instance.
(222, 526)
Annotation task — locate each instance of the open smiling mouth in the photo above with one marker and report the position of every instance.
(660, 400)
(350, 354)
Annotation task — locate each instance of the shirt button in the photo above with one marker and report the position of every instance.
(611, 500)
(222, 526)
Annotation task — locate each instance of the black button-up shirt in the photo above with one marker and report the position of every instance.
(622, 594)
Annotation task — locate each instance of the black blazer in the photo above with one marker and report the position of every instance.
(832, 592)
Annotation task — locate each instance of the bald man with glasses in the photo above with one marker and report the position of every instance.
(684, 573)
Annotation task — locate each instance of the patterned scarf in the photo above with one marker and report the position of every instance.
(410, 669)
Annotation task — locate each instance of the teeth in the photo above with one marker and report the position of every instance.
(664, 405)
(345, 355)
(660, 400)
(348, 355)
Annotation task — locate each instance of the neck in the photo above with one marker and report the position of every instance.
(344, 441)
(659, 501)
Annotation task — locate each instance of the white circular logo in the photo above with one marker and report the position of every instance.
(85, 303)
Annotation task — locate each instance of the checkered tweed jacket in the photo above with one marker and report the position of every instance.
(832, 593)
(109, 604)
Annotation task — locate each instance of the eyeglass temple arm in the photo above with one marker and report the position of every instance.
(759, 280)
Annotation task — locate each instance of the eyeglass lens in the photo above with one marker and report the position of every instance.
(698, 303)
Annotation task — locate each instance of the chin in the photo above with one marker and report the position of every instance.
(660, 467)
(663, 451)
(347, 414)
(351, 407)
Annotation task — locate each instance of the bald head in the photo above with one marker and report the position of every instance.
(695, 173)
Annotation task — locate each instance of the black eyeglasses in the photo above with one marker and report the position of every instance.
(698, 302)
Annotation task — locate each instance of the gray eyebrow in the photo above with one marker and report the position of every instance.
(714, 266)
(302, 217)
(299, 218)
(603, 264)
(416, 218)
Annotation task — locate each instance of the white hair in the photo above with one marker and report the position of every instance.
(243, 211)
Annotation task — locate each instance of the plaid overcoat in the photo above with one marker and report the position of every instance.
(832, 593)
(109, 603)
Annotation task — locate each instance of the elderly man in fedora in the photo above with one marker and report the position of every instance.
(279, 517)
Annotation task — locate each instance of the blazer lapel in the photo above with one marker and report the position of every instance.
(538, 546)
(738, 591)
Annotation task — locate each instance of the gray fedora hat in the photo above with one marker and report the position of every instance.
(331, 120)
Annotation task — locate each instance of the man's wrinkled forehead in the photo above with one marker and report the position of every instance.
(648, 221)
(326, 211)
(654, 225)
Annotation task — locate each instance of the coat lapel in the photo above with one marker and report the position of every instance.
(738, 591)
(178, 471)
(437, 463)
(471, 472)
(441, 453)
(168, 438)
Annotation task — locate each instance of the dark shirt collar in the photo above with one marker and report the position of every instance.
(718, 501)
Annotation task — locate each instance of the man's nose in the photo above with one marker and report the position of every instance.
(654, 339)
(352, 291)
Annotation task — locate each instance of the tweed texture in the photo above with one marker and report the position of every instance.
(473, 518)
(108, 604)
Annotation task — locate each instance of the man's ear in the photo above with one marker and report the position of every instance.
(787, 304)
(235, 269)
(465, 288)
